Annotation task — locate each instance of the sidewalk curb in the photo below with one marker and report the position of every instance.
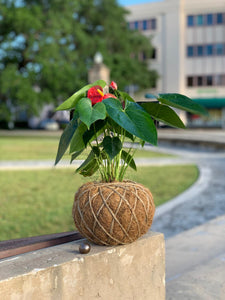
(188, 195)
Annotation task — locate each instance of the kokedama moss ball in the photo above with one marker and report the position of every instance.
(113, 213)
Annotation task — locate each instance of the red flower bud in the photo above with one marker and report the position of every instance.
(95, 94)
(109, 96)
(113, 85)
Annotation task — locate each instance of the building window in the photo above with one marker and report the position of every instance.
(153, 24)
(154, 53)
(208, 80)
(199, 81)
(206, 50)
(145, 25)
(199, 20)
(190, 51)
(200, 51)
(219, 18)
(136, 25)
(209, 50)
(190, 81)
(209, 19)
(219, 49)
(206, 19)
(190, 21)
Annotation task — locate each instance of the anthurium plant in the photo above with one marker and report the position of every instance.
(104, 118)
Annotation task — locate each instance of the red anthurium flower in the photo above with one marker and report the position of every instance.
(95, 94)
(109, 96)
(113, 85)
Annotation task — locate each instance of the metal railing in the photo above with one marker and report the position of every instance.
(19, 246)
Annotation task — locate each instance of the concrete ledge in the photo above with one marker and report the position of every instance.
(134, 271)
(196, 262)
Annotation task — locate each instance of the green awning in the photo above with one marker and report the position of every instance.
(210, 102)
(206, 102)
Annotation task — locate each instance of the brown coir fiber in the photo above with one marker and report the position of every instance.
(113, 213)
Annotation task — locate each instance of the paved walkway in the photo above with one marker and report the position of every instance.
(195, 263)
(195, 255)
(204, 201)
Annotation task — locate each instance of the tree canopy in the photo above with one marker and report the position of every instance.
(47, 47)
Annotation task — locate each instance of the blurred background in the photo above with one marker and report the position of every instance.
(47, 49)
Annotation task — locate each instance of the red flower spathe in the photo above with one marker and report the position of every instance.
(95, 94)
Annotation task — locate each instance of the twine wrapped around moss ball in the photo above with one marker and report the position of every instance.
(113, 213)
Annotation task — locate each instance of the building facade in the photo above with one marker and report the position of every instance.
(189, 50)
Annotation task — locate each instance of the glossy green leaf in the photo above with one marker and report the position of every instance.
(77, 142)
(119, 129)
(90, 165)
(75, 155)
(128, 159)
(98, 112)
(90, 168)
(66, 137)
(84, 108)
(182, 102)
(126, 96)
(89, 114)
(133, 118)
(112, 146)
(163, 113)
(71, 102)
(95, 130)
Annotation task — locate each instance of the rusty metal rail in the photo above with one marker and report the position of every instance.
(24, 245)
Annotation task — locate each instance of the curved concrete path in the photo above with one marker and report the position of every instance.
(202, 202)
(195, 255)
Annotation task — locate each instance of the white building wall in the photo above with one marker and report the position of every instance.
(171, 38)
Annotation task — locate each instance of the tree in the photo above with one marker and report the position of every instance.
(47, 47)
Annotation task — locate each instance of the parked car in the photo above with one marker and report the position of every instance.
(48, 124)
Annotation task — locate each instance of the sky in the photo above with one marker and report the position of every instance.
(130, 2)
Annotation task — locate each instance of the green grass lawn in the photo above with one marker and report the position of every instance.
(43, 147)
(40, 202)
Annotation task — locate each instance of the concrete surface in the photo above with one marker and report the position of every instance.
(204, 201)
(195, 263)
(134, 271)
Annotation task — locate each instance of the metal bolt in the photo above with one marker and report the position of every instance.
(84, 248)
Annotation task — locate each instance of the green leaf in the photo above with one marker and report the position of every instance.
(128, 160)
(71, 102)
(133, 118)
(163, 113)
(75, 155)
(90, 168)
(77, 142)
(84, 108)
(125, 96)
(98, 112)
(112, 146)
(90, 165)
(118, 129)
(182, 102)
(89, 114)
(95, 130)
(66, 137)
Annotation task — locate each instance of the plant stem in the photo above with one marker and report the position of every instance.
(126, 163)
(118, 158)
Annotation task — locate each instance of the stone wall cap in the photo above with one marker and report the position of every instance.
(39, 260)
